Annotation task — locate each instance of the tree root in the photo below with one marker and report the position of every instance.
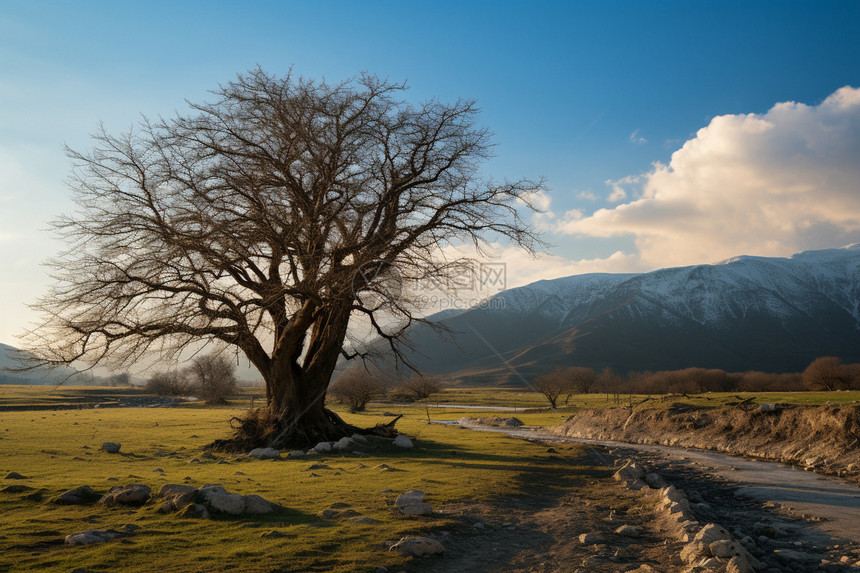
(258, 428)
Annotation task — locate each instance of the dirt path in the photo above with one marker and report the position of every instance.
(790, 520)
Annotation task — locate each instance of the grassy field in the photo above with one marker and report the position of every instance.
(59, 450)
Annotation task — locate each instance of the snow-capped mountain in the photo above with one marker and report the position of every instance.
(745, 313)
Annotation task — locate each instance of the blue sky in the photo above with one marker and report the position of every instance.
(582, 93)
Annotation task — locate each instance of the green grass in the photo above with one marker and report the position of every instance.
(58, 450)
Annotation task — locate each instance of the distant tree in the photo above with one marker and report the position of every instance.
(119, 379)
(213, 378)
(827, 373)
(355, 388)
(582, 380)
(168, 383)
(419, 387)
(553, 386)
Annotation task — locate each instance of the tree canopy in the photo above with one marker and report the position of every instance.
(266, 220)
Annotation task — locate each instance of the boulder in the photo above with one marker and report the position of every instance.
(81, 495)
(174, 489)
(588, 539)
(265, 454)
(418, 546)
(402, 441)
(343, 445)
(111, 447)
(655, 481)
(254, 504)
(194, 511)
(323, 447)
(220, 500)
(91, 536)
(700, 546)
(296, 454)
(409, 497)
(133, 495)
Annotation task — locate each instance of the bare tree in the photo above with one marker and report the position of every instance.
(213, 378)
(168, 383)
(582, 379)
(553, 386)
(268, 220)
(420, 386)
(827, 373)
(356, 388)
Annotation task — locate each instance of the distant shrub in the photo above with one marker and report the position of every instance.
(213, 378)
(355, 388)
(169, 383)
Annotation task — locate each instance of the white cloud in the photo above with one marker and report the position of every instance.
(587, 195)
(636, 138)
(767, 184)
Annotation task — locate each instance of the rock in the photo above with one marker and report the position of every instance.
(323, 447)
(768, 530)
(726, 549)
(194, 511)
(416, 509)
(588, 539)
(220, 500)
(790, 555)
(418, 546)
(81, 495)
(91, 536)
(655, 481)
(343, 444)
(111, 447)
(174, 489)
(265, 454)
(296, 454)
(401, 441)
(628, 531)
(17, 488)
(409, 497)
(208, 456)
(767, 407)
(254, 504)
(360, 439)
(328, 514)
(629, 472)
(738, 564)
(273, 534)
(15, 475)
(134, 495)
(700, 546)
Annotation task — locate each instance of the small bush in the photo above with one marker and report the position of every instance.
(356, 388)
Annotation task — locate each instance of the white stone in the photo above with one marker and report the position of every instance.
(409, 498)
(402, 441)
(343, 444)
(91, 536)
(219, 500)
(256, 504)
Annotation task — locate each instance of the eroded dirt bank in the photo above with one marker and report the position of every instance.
(825, 439)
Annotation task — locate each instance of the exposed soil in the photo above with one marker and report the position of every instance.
(539, 530)
(825, 439)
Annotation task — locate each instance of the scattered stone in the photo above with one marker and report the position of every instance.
(81, 495)
(17, 488)
(360, 439)
(655, 481)
(194, 511)
(418, 546)
(343, 444)
(221, 501)
(323, 447)
(208, 456)
(133, 495)
(273, 534)
(790, 555)
(412, 503)
(296, 454)
(91, 536)
(15, 475)
(628, 531)
(111, 447)
(401, 441)
(265, 454)
(588, 539)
